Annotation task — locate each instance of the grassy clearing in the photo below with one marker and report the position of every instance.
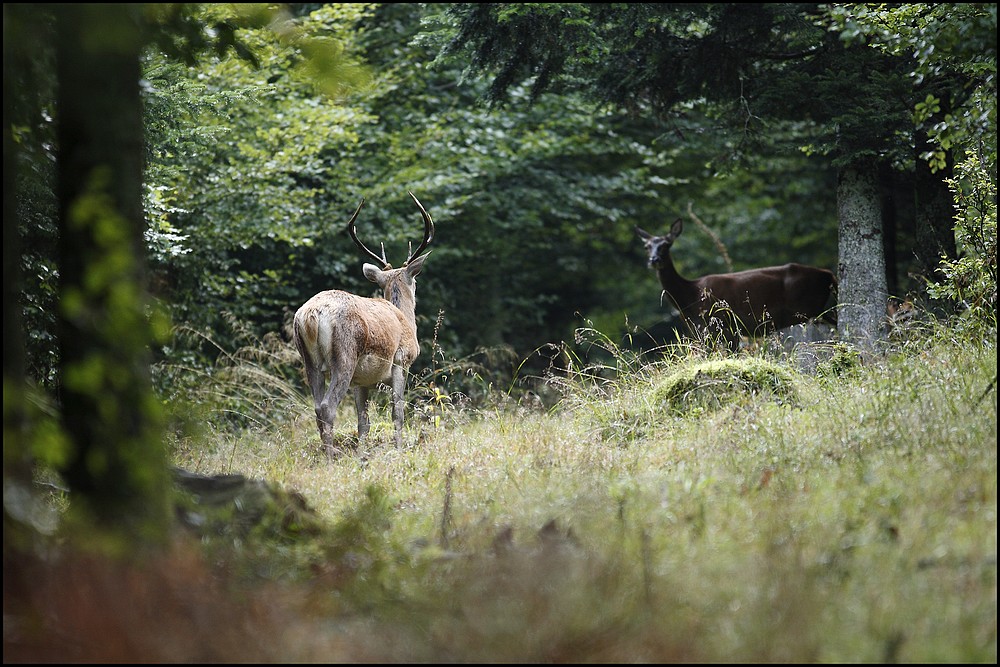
(755, 514)
(691, 508)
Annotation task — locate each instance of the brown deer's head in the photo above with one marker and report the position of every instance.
(658, 247)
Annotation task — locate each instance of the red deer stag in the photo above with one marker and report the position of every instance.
(753, 302)
(360, 341)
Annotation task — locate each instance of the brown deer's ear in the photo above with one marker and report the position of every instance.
(643, 234)
(677, 227)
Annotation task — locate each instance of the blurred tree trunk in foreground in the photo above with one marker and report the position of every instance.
(116, 469)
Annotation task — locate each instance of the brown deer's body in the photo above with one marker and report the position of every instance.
(360, 342)
(752, 303)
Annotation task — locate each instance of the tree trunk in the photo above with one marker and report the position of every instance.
(116, 471)
(935, 213)
(889, 226)
(862, 292)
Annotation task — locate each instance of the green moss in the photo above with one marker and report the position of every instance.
(709, 385)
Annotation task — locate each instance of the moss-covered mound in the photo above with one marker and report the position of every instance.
(710, 385)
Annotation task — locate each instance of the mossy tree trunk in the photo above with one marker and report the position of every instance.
(116, 469)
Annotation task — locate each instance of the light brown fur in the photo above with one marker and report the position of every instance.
(360, 342)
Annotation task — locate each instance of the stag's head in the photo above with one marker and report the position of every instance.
(398, 283)
(658, 247)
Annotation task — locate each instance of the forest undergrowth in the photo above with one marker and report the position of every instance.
(687, 506)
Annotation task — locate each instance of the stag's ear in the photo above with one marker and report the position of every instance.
(413, 268)
(677, 227)
(373, 273)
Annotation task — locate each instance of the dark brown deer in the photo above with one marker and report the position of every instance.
(360, 342)
(752, 303)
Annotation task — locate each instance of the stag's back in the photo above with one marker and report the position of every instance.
(335, 329)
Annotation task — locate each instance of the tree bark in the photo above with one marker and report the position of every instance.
(935, 213)
(116, 470)
(862, 293)
(889, 226)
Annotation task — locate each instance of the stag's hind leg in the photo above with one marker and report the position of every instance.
(361, 404)
(326, 407)
(398, 403)
(317, 385)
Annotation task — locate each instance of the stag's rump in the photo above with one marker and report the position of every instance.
(336, 329)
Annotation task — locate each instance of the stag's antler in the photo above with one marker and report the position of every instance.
(428, 235)
(354, 235)
(428, 230)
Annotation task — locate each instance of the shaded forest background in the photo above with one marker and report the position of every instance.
(253, 167)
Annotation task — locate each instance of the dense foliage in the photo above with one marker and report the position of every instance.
(256, 163)
(253, 171)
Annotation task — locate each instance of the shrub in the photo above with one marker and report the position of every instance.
(709, 385)
(971, 279)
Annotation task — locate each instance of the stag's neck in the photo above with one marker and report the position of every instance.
(401, 297)
(682, 292)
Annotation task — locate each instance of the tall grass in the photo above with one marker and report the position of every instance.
(848, 517)
(773, 515)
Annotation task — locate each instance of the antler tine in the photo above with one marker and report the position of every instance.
(428, 230)
(354, 235)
